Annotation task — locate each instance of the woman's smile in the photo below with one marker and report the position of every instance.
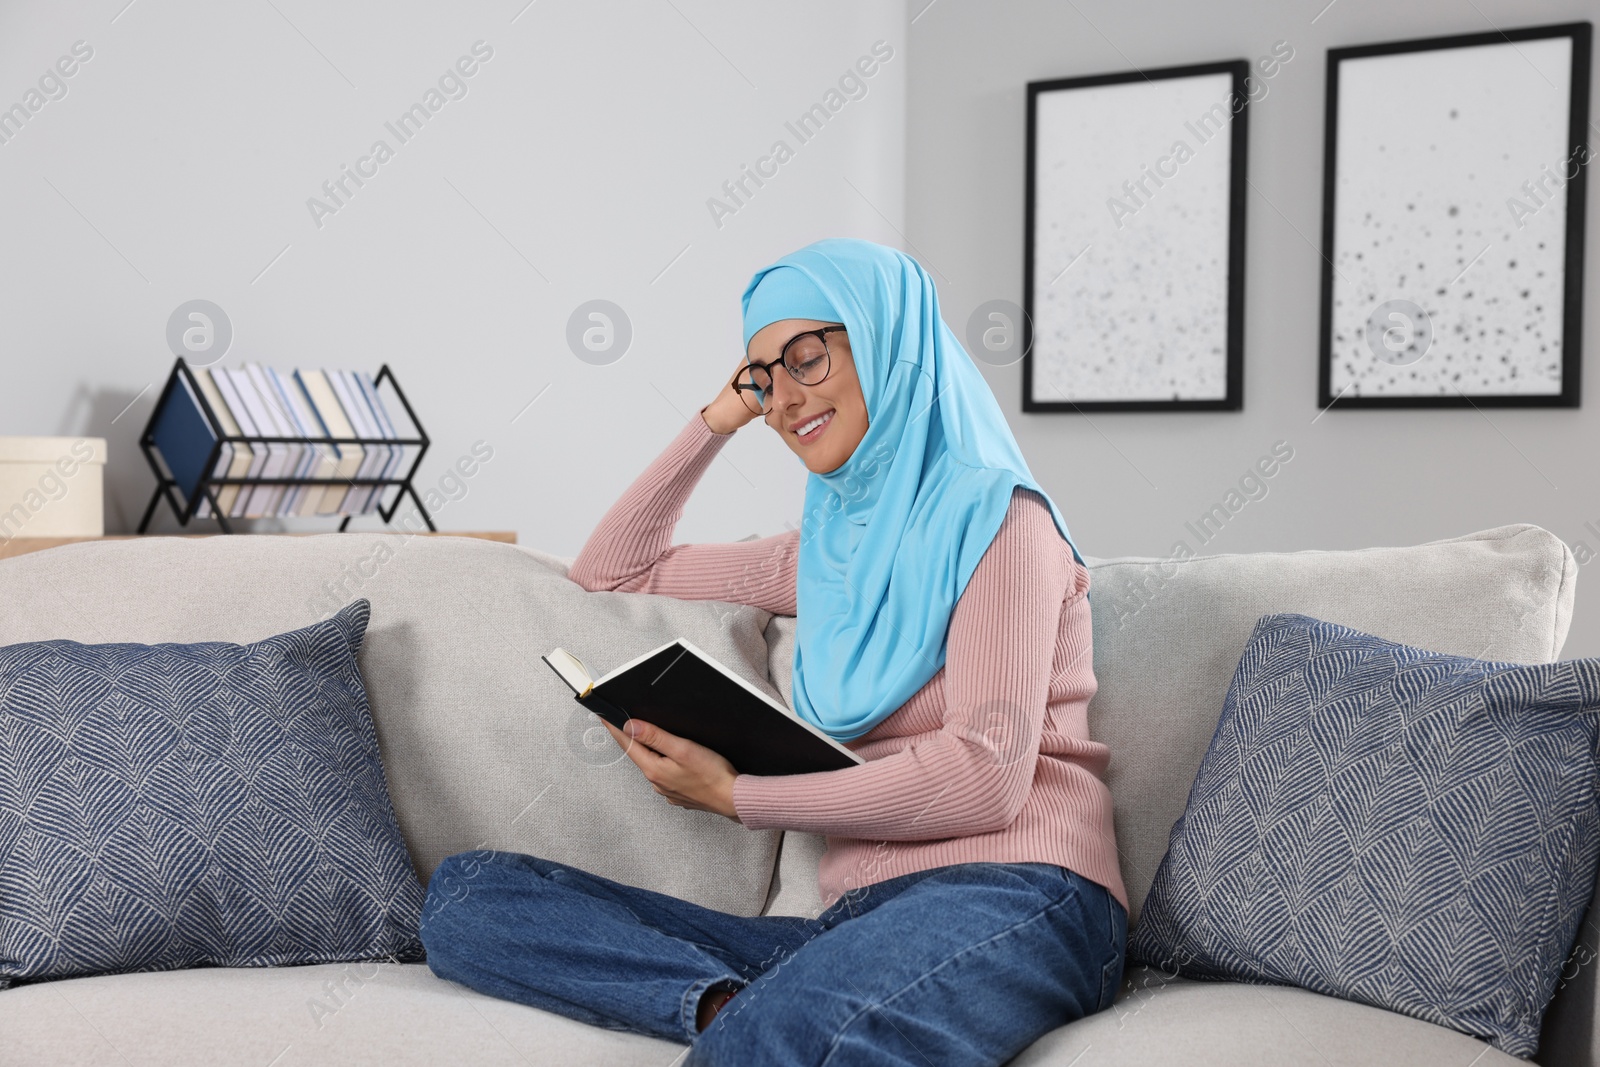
(812, 429)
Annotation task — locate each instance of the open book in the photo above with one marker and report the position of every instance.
(685, 692)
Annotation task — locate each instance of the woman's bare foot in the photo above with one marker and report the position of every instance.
(710, 1004)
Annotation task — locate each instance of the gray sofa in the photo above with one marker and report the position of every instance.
(483, 747)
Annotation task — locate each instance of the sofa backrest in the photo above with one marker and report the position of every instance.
(483, 746)
(1168, 635)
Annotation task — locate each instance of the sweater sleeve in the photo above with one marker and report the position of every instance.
(975, 772)
(631, 550)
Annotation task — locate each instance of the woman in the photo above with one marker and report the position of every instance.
(943, 632)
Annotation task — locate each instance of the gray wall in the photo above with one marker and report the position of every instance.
(1128, 482)
(578, 166)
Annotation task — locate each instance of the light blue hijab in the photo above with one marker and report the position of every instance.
(890, 538)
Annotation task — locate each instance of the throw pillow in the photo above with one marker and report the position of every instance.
(1390, 825)
(166, 806)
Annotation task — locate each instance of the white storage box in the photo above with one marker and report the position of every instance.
(52, 487)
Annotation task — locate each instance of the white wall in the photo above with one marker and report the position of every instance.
(179, 163)
(577, 166)
(1127, 482)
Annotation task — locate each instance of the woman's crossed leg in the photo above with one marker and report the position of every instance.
(964, 964)
(961, 964)
(584, 946)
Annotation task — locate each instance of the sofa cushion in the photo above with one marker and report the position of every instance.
(1161, 1020)
(373, 1012)
(1405, 828)
(168, 805)
(794, 884)
(1168, 635)
(483, 745)
(400, 1013)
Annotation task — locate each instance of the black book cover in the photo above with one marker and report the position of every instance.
(685, 692)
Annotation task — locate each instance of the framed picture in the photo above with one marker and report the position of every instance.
(1133, 267)
(1452, 220)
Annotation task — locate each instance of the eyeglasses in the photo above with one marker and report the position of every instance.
(805, 356)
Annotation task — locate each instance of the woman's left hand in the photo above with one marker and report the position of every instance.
(687, 774)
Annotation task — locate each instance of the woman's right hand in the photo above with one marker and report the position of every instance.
(728, 411)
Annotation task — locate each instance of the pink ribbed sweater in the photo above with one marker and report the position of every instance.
(990, 761)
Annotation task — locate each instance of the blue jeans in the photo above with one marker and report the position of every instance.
(964, 964)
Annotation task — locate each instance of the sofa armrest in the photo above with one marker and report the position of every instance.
(1569, 1037)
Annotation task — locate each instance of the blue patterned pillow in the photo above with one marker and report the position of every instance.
(165, 806)
(1389, 825)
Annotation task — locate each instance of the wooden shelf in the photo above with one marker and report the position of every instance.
(21, 546)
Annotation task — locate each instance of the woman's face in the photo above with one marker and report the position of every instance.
(794, 405)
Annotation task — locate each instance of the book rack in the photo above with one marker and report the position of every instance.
(210, 483)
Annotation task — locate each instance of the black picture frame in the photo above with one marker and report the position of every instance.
(1233, 354)
(1571, 258)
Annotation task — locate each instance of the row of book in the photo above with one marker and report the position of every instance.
(258, 401)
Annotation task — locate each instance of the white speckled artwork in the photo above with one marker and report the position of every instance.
(1130, 241)
(1450, 222)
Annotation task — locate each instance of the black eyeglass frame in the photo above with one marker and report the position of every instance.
(820, 333)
